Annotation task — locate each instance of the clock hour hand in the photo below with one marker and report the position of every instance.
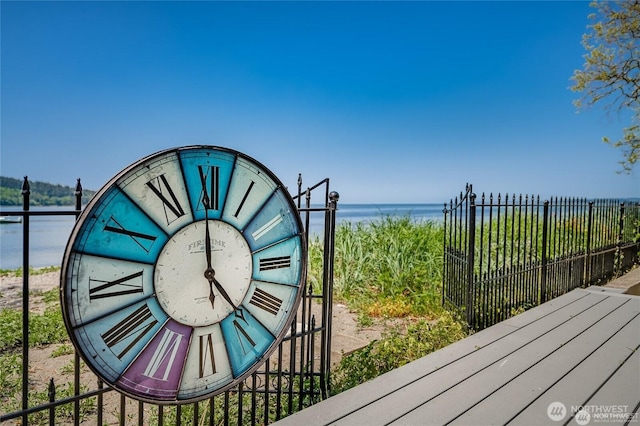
(210, 274)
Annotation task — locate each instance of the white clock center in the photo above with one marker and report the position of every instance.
(181, 287)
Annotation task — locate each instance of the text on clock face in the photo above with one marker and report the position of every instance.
(198, 246)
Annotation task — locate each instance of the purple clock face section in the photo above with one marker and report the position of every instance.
(156, 372)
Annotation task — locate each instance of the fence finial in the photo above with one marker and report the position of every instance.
(333, 198)
(25, 193)
(52, 390)
(78, 194)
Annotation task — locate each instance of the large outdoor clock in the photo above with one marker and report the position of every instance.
(183, 274)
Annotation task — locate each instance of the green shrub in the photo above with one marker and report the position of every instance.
(396, 349)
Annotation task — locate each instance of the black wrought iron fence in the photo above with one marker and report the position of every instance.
(295, 376)
(504, 254)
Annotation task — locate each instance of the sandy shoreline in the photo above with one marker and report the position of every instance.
(11, 287)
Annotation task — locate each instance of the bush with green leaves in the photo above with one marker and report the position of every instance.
(396, 349)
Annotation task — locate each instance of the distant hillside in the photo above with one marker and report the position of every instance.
(42, 193)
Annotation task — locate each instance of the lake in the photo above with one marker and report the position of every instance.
(48, 235)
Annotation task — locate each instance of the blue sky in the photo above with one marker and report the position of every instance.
(394, 102)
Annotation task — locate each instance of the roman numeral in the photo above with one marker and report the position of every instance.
(244, 198)
(143, 240)
(126, 285)
(170, 203)
(260, 232)
(134, 326)
(243, 337)
(207, 359)
(164, 356)
(214, 184)
(266, 301)
(275, 263)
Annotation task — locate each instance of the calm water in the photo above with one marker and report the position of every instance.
(49, 234)
(48, 237)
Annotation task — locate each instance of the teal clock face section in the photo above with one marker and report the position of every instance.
(183, 274)
(119, 228)
(213, 170)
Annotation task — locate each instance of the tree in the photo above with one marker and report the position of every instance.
(611, 72)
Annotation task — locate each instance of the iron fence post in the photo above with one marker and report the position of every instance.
(587, 273)
(471, 260)
(327, 294)
(52, 397)
(76, 359)
(619, 255)
(445, 260)
(299, 189)
(544, 260)
(25, 298)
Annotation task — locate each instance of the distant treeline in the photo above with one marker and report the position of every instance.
(42, 193)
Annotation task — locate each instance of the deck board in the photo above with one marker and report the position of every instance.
(622, 388)
(506, 365)
(577, 366)
(576, 386)
(581, 348)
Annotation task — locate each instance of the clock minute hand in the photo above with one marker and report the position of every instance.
(207, 240)
(209, 272)
(205, 204)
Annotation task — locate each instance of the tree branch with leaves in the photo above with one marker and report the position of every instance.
(611, 72)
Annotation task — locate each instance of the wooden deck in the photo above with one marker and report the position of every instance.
(581, 350)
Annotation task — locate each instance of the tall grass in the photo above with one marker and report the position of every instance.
(508, 236)
(391, 267)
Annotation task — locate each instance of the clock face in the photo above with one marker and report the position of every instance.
(197, 305)
(183, 274)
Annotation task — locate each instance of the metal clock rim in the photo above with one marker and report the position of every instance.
(288, 320)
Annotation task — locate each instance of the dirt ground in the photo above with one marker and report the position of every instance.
(46, 364)
(347, 334)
